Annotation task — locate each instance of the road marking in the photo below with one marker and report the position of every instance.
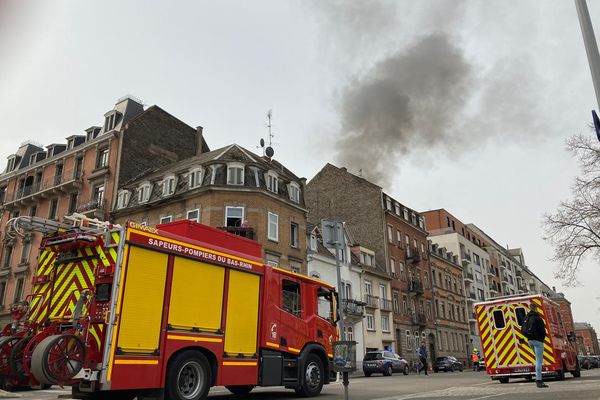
(487, 397)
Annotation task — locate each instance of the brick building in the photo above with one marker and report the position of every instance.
(230, 188)
(587, 340)
(397, 238)
(450, 304)
(80, 175)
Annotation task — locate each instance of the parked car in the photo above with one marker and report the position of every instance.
(594, 361)
(446, 364)
(584, 362)
(384, 362)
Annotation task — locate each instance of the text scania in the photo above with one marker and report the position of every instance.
(198, 253)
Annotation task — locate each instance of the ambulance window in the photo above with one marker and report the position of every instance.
(499, 319)
(290, 300)
(520, 314)
(325, 304)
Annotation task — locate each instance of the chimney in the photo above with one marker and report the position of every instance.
(198, 140)
(554, 289)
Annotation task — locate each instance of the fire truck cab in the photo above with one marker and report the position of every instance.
(168, 312)
(507, 353)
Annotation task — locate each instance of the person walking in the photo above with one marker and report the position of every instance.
(423, 358)
(475, 359)
(534, 330)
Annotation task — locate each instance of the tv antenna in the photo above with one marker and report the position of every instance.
(268, 151)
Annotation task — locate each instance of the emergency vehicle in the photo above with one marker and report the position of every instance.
(506, 351)
(118, 312)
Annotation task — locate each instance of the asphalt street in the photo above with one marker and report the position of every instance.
(465, 385)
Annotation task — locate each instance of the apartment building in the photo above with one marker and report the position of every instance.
(80, 175)
(321, 264)
(397, 277)
(229, 188)
(587, 340)
(450, 304)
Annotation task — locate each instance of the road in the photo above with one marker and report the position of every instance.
(464, 386)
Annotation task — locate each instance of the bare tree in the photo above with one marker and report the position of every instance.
(574, 229)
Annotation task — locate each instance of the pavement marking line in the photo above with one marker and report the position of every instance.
(487, 397)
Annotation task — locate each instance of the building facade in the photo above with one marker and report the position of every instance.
(587, 340)
(229, 188)
(450, 304)
(79, 176)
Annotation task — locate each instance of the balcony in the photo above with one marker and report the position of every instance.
(469, 277)
(519, 273)
(371, 301)
(471, 297)
(491, 273)
(385, 304)
(66, 182)
(472, 317)
(419, 319)
(503, 265)
(505, 279)
(353, 308)
(246, 232)
(415, 286)
(413, 256)
(93, 208)
(466, 257)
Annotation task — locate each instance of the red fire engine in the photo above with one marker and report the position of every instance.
(167, 311)
(506, 351)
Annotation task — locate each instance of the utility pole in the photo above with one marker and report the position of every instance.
(591, 47)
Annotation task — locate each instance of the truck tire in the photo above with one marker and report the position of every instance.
(188, 377)
(560, 374)
(387, 370)
(577, 372)
(313, 377)
(503, 380)
(58, 358)
(240, 390)
(16, 358)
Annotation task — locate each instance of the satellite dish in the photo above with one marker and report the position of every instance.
(262, 142)
(269, 152)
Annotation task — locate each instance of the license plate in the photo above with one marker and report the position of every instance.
(521, 370)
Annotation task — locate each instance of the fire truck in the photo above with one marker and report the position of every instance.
(166, 312)
(506, 351)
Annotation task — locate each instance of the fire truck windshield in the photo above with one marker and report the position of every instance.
(326, 305)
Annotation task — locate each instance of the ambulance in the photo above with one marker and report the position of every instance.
(506, 351)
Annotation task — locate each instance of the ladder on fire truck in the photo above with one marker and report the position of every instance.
(23, 225)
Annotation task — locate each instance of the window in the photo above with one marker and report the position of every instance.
(368, 288)
(2, 292)
(399, 238)
(313, 242)
(78, 168)
(165, 220)
(272, 182)
(393, 266)
(273, 230)
(385, 323)
(53, 209)
(25, 252)
(102, 158)
(193, 215)
(402, 271)
(33, 211)
(72, 203)
(110, 122)
(123, 199)
(413, 218)
(407, 239)
(290, 299)
(325, 304)
(235, 174)
(144, 192)
(294, 235)
(426, 280)
(499, 322)
(18, 290)
(195, 178)
(294, 190)
(405, 304)
(520, 314)
(346, 290)
(390, 234)
(396, 301)
(349, 333)
(234, 216)
(98, 194)
(397, 208)
(169, 185)
(7, 257)
(408, 340)
(370, 322)
(388, 203)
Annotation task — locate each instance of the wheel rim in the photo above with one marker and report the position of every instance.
(190, 380)
(313, 375)
(6, 348)
(65, 358)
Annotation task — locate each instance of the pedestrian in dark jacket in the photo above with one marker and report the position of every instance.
(535, 331)
(423, 358)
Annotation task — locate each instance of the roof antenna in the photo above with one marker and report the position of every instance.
(269, 152)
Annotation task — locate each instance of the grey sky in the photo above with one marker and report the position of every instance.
(490, 150)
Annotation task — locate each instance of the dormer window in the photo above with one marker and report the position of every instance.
(294, 190)
(195, 178)
(235, 174)
(11, 163)
(144, 192)
(32, 158)
(272, 183)
(110, 122)
(70, 144)
(123, 199)
(169, 185)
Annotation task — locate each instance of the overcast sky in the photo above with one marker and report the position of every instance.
(463, 105)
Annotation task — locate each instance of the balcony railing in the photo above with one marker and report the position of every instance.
(490, 272)
(503, 265)
(385, 304)
(413, 255)
(419, 319)
(466, 257)
(371, 301)
(68, 177)
(472, 296)
(469, 277)
(505, 279)
(98, 204)
(415, 286)
(246, 232)
(353, 308)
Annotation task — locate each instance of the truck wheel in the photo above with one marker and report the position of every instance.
(240, 390)
(16, 358)
(58, 358)
(577, 372)
(188, 377)
(503, 380)
(313, 377)
(560, 375)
